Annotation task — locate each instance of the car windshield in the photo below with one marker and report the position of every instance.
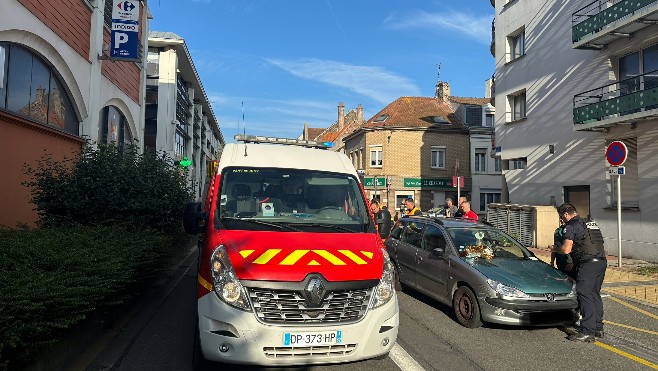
(487, 243)
(291, 200)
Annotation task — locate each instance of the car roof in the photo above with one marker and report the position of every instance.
(449, 222)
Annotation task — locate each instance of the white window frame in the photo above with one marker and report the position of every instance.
(489, 119)
(438, 149)
(516, 45)
(378, 151)
(518, 108)
(518, 163)
(498, 165)
(480, 160)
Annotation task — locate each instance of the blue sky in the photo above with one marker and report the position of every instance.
(292, 61)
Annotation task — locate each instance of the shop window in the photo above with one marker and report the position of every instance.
(30, 88)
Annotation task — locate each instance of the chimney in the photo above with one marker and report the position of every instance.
(443, 91)
(359, 115)
(305, 133)
(341, 116)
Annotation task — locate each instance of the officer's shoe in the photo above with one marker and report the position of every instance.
(599, 334)
(579, 336)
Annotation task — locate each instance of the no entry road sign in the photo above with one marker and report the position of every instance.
(616, 153)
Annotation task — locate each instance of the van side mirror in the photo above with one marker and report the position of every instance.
(193, 218)
(384, 227)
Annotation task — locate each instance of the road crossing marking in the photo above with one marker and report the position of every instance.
(630, 327)
(627, 355)
(634, 307)
(403, 359)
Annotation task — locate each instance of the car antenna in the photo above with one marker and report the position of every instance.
(244, 130)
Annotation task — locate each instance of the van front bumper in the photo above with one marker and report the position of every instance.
(231, 335)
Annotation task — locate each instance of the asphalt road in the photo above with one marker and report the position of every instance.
(159, 337)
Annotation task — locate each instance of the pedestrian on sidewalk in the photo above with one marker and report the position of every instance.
(585, 246)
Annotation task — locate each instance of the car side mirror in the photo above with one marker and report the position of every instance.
(193, 218)
(438, 252)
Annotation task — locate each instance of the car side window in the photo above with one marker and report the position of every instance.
(397, 230)
(412, 233)
(433, 238)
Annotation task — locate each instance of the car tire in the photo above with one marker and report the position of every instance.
(466, 307)
(199, 362)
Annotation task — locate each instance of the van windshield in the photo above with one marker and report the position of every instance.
(291, 200)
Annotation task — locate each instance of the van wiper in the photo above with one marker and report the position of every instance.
(269, 224)
(329, 226)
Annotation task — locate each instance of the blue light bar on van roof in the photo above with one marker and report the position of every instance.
(288, 141)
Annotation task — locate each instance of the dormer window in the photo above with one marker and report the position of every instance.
(381, 118)
(440, 120)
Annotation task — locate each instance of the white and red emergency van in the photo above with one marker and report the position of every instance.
(292, 270)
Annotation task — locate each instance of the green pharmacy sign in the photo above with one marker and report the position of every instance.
(428, 182)
(368, 182)
(185, 162)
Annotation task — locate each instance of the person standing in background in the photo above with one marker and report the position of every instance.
(451, 209)
(460, 210)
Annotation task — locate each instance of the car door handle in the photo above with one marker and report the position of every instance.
(420, 259)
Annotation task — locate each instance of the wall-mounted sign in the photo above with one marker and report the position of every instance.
(368, 182)
(124, 42)
(427, 182)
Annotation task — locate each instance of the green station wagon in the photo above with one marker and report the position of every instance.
(482, 272)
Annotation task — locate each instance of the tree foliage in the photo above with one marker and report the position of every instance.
(52, 279)
(107, 185)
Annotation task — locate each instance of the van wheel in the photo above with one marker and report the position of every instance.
(199, 362)
(466, 308)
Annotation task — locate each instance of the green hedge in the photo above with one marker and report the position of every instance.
(106, 185)
(51, 279)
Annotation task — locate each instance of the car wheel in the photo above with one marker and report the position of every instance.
(199, 362)
(466, 308)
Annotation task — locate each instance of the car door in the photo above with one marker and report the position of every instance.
(433, 263)
(407, 251)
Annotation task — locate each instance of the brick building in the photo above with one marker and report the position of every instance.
(55, 91)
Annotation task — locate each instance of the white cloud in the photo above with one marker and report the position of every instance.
(375, 82)
(476, 27)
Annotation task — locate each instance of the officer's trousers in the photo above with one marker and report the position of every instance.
(588, 287)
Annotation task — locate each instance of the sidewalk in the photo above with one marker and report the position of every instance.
(621, 281)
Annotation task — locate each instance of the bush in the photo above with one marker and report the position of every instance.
(107, 185)
(51, 279)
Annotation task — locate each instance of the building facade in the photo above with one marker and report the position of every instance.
(412, 148)
(179, 118)
(571, 77)
(57, 90)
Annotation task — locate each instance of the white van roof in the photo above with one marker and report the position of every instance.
(284, 156)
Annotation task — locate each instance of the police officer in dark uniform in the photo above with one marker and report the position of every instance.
(585, 245)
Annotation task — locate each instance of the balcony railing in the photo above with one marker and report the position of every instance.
(492, 48)
(623, 101)
(602, 22)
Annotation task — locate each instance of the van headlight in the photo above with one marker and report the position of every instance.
(225, 282)
(385, 289)
(507, 292)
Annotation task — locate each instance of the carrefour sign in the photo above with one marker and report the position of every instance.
(125, 30)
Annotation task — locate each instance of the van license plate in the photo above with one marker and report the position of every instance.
(292, 339)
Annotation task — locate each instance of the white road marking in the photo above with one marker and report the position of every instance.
(403, 359)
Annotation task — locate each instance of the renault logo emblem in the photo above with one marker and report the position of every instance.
(314, 292)
(550, 297)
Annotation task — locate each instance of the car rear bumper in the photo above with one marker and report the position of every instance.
(529, 313)
(249, 341)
